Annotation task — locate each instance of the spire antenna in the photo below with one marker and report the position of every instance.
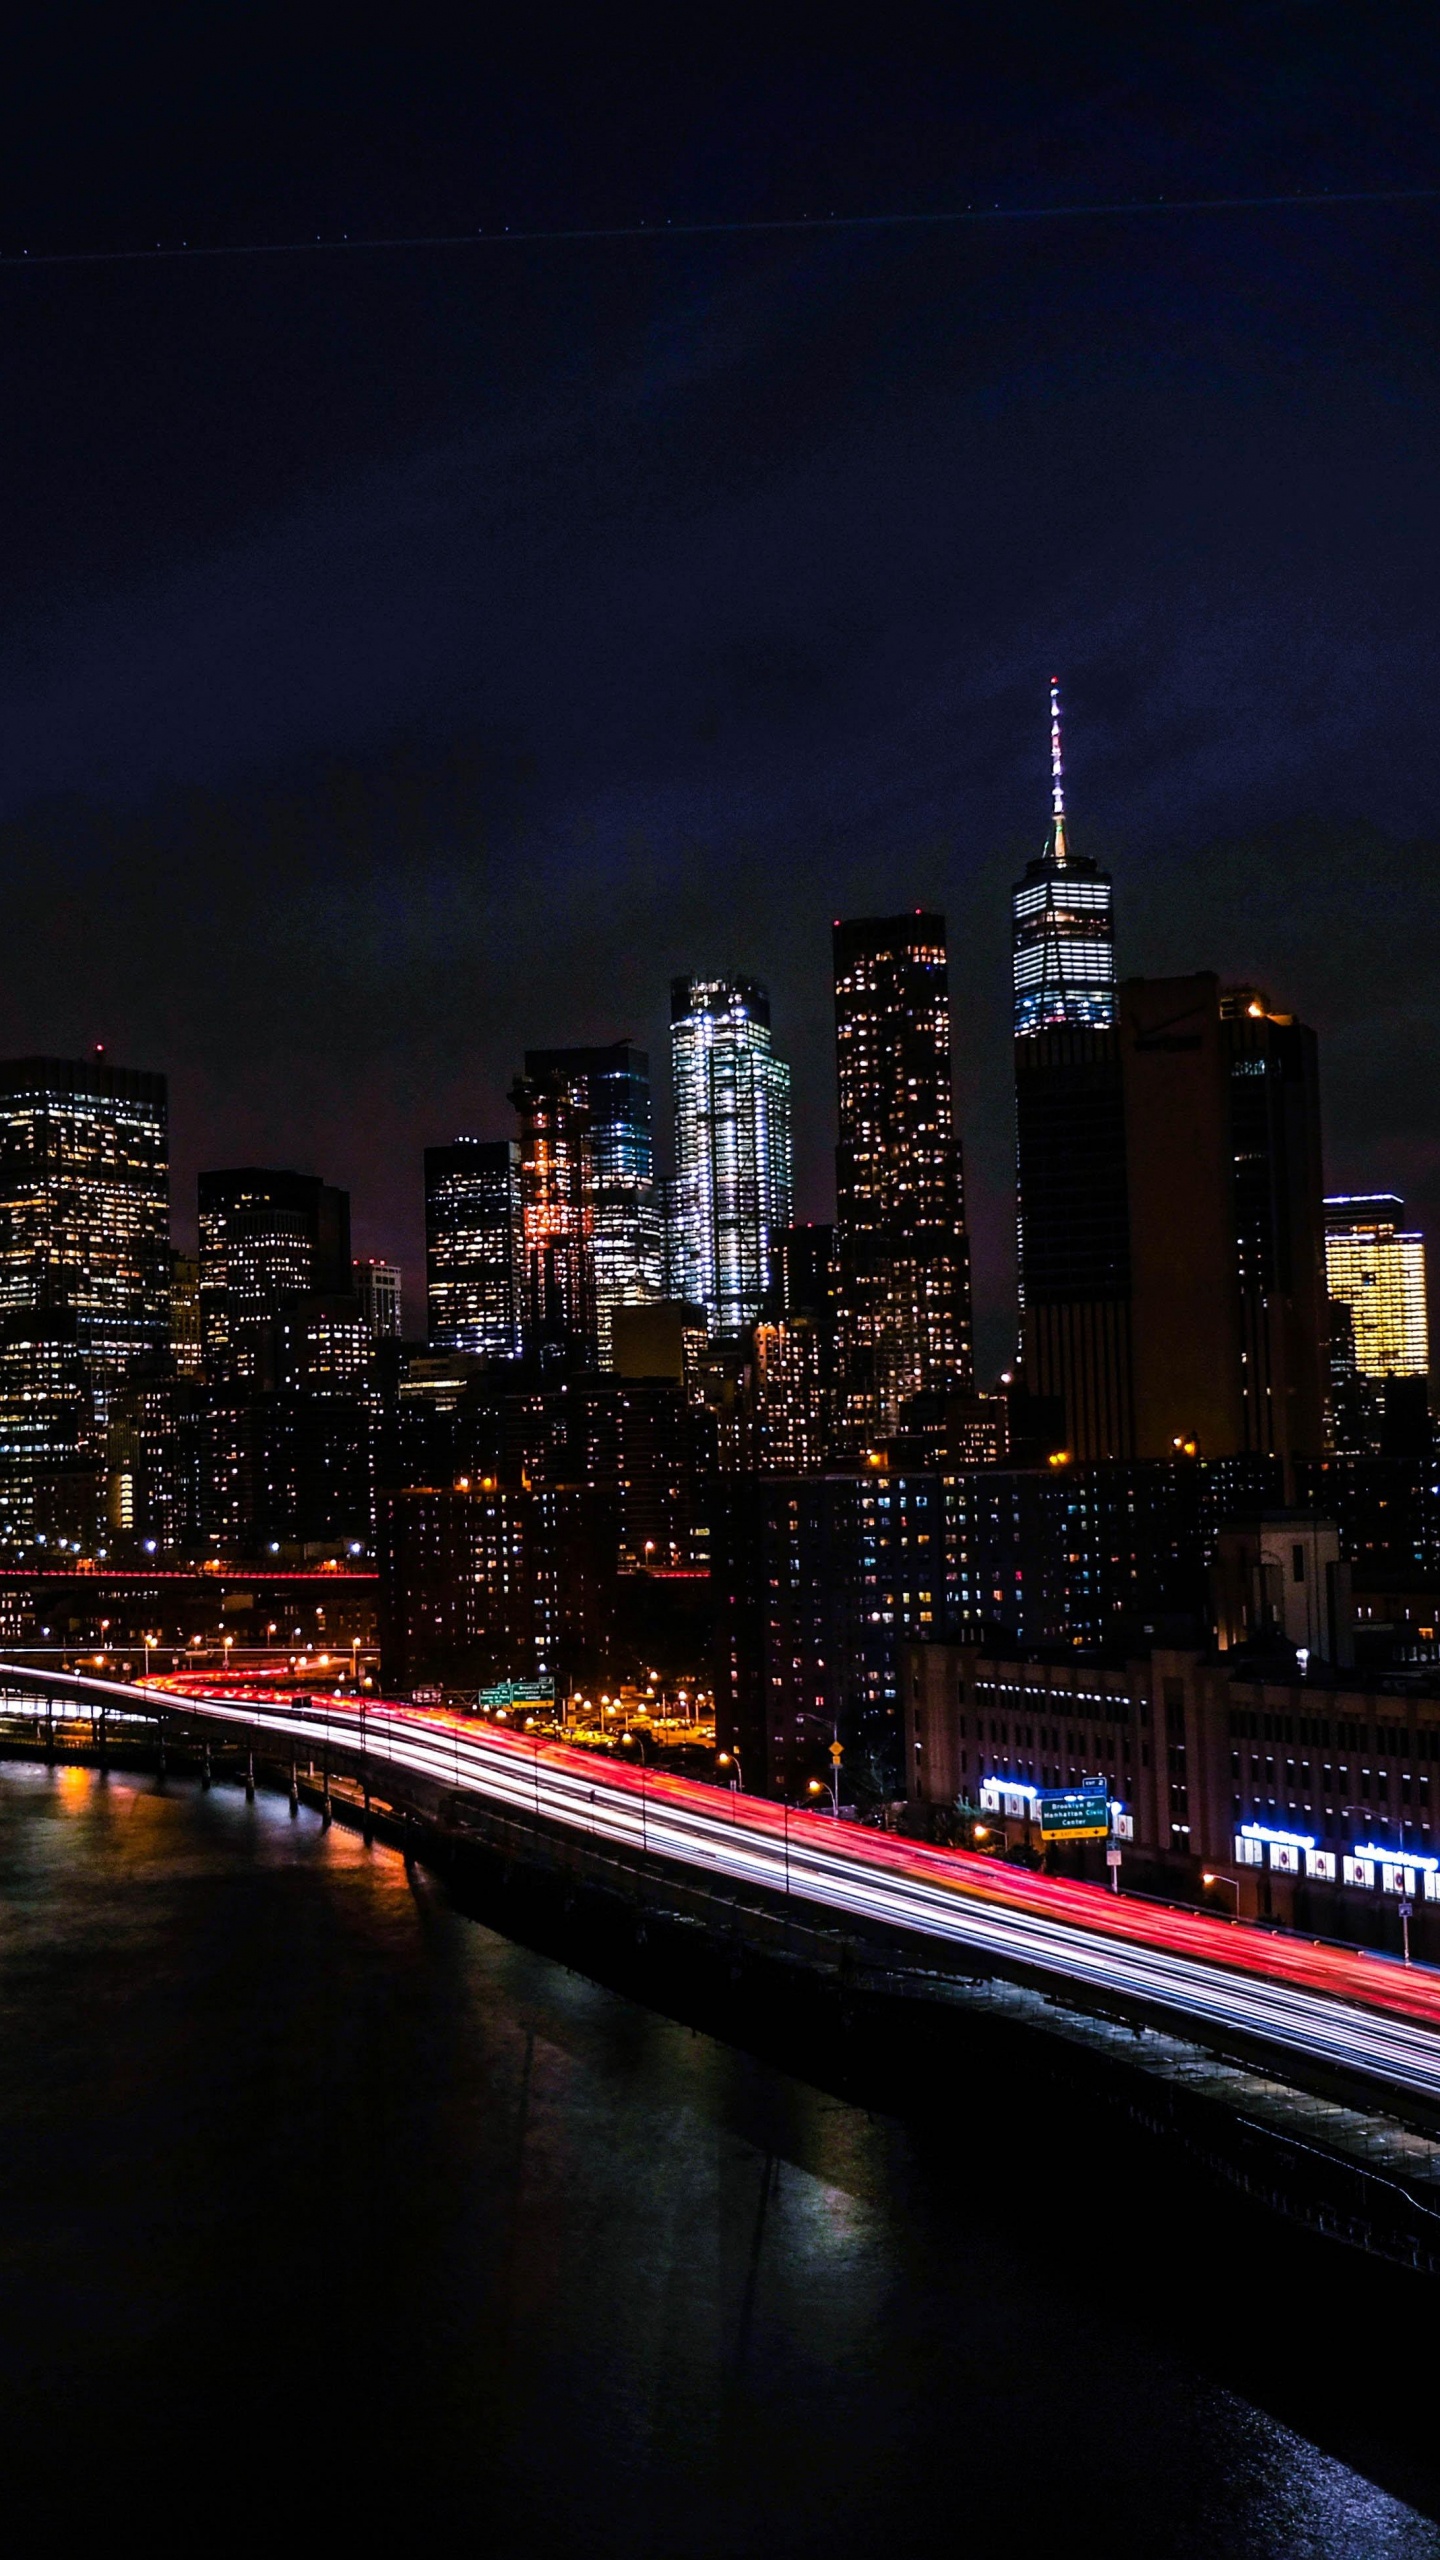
(1057, 777)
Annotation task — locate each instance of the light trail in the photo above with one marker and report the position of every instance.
(1356, 2012)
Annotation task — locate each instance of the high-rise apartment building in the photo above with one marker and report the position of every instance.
(377, 1286)
(84, 1208)
(904, 1287)
(732, 1146)
(611, 1086)
(473, 1247)
(557, 1224)
(1378, 1271)
(1063, 932)
(266, 1238)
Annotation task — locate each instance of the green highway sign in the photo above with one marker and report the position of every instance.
(519, 1693)
(1075, 1813)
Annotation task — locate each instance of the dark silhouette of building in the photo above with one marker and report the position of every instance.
(1171, 1248)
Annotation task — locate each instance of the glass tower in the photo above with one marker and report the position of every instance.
(611, 1087)
(732, 1146)
(473, 1246)
(1379, 1274)
(1063, 936)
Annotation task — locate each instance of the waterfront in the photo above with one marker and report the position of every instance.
(330, 2206)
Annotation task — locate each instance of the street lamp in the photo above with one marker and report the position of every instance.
(820, 1787)
(731, 1760)
(1231, 1883)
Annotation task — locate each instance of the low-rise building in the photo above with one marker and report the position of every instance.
(1315, 1801)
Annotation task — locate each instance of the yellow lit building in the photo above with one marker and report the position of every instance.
(1379, 1274)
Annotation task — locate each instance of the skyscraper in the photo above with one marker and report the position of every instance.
(1071, 1207)
(1378, 1272)
(266, 1238)
(1170, 1226)
(377, 1285)
(732, 1146)
(84, 1207)
(904, 1293)
(556, 1218)
(1063, 934)
(611, 1086)
(473, 1246)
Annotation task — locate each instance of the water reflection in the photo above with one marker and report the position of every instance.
(325, 2204)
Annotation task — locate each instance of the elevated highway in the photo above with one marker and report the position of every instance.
(1352, 2012)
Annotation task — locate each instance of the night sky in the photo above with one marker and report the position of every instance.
(412, 654)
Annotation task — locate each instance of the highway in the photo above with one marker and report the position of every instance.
(1360, 2012)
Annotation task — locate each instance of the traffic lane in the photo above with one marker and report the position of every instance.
(1360, 1979)
(825, 1870)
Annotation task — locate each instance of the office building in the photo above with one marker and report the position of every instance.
(473, 1250)
(377, 1286)
(84, 1208)
(1062, 926)
(187, 1349)
(732, 1186)
(51, 1441)
(1378, 1271)
(558, 1316)
(266, 1238)
(611, 1086)
(904, 1273)
(1172, 1289)
(1243, 1788)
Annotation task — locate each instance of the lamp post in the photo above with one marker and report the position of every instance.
(1232, 1883)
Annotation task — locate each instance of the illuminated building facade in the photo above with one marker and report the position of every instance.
(904, 1265)
(266, 1238)
(557, 1226)
(732, 1147)
(791, 1402)
(1063, 933)
(611, 1087)
(50, 1439)
(485, 1582)
(187, 1349)
(1378, 1271)
(473, 1247)
(377, 1286)
(84, 1207)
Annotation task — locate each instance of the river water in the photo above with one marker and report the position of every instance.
(325, 2209)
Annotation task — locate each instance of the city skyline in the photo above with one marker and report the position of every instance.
(998, 1284)
(372, 798)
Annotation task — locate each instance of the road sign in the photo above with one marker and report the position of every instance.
(837, 1752)
(1073, 1813)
